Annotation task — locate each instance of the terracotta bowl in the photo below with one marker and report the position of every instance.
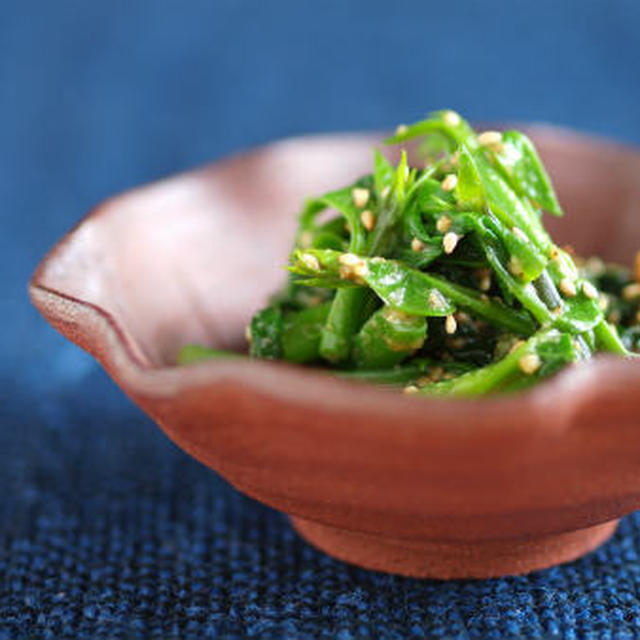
(415, 486)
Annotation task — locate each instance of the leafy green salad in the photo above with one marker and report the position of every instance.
(440, 277)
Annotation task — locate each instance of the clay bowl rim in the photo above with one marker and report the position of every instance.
(152, 380)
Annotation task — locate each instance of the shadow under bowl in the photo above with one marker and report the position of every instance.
(417, 486)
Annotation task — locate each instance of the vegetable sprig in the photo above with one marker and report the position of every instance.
(442, 277)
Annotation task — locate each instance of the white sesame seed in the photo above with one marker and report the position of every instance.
(520, 234)
(631, 291)
(450, 242)
(247, 333)
(410, 389)
(515, 266)
(485, 283)
(417, 245)
(450, 181)
(451, 118)
(368, 219)
(568, 287)
(590, 291)
(385, 191)
(401, 129)
(353, 267)
(530, 363)
(310, 261)
(443, 224)
(360, 197)
(455, 158)
(450, 325)
(492, 140)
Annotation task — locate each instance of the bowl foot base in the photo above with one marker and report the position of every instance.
(446, 559)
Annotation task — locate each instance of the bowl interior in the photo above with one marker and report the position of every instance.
(190, 259)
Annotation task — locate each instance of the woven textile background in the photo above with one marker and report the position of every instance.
(106, 529)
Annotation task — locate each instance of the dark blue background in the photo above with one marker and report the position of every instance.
(106, 530)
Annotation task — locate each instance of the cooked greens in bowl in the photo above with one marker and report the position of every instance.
(441, 278)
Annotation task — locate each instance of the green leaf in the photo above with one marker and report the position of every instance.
(388, 337)
(507, 206)
(521, 167)
(469, 190)
(406, 289)
(383, 172)
(302, 331)
(266, 334)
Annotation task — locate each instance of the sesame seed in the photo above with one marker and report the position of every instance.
(368, 219)
(485, 283)
(247, 333)
(530, 363)
(492, 140)
(451, 118)
(590, 291)
(401, 129)
(417, 245)
(353, 267)
(568, 287)
(631, 291)
(520, 234)
(455, 158)
(310, 261)
(450, 242)
(450, 181)
(450, 325)
(410, 389)
(515, 266)
(360, 197)
(385, 192)
(443, 224)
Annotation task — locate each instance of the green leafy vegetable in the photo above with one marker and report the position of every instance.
(439, 275)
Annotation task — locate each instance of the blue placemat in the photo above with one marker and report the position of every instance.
(107, 530)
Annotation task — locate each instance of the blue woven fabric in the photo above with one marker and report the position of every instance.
(106, 529)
